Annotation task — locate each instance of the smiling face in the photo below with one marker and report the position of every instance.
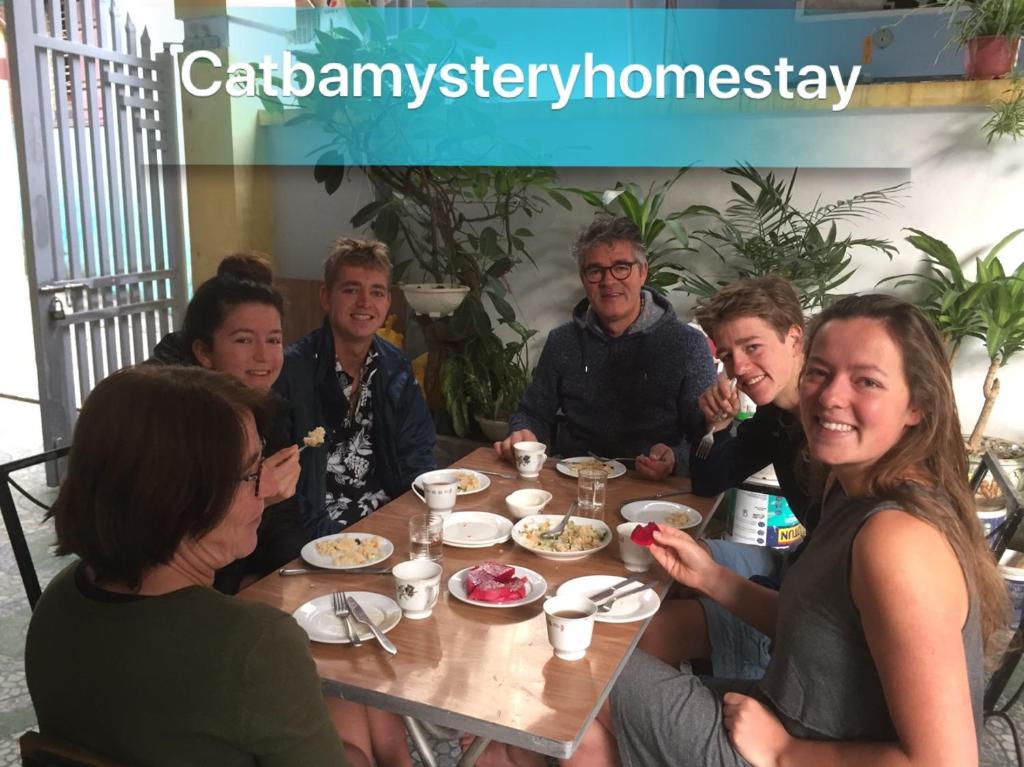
(248, 345)
(615, 302)
(854, 400)
(356, 303)
(766, 367)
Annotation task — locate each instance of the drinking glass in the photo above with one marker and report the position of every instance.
(590, 489)
(426, 537)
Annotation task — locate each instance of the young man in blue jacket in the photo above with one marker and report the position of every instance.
(361, 389)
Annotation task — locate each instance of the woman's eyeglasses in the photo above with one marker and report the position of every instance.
(620, 271)
(254, 478)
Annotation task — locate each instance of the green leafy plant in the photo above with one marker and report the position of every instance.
(664, 237)
(487, 379)
(989, 308)
(986, 18)
(1007, 114)
(763, 232)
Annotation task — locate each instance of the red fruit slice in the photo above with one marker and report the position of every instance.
(494, 582)
(643, 535)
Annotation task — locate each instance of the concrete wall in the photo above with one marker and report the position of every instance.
(962, 191)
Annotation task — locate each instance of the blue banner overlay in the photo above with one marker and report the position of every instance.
(552, 86)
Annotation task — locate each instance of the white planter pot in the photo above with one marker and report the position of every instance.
(434, 300)
(493, 430)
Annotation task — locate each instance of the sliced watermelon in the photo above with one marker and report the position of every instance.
(643, 535)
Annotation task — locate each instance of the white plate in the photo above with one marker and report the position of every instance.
(663, 512)
(318, 620)
(476, 529)
(635, 607)
(519, 535)
(310, 554)
(446, 475)
(567, 466)
(536, 587)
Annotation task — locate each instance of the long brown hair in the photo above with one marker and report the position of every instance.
(932, 450)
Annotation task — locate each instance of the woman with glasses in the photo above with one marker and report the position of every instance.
(233, 325)
(130, 652)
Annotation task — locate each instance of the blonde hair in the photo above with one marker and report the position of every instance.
(355, 251)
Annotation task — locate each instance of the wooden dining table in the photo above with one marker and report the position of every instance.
(485, 671)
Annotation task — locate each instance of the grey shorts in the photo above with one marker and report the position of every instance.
(664, 716)
(738, 651)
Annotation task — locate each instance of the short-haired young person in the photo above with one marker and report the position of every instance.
(624, 373)
(757, 328)
(361, 389)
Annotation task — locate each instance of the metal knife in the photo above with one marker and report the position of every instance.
(611, 590)
(360, 615)
(487, 471)
(312, 571)
(626, 593)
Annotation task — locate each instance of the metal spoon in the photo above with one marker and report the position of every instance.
(556, 531)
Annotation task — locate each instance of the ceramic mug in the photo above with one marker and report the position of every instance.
(417, 586)
(530, 457)
(636, 558)
(570, 622)
(439, 495)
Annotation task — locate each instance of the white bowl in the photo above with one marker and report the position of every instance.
(520, 527)
(434, 300)
(523, 503)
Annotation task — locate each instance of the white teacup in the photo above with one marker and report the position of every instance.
(417, 585)
(636, 558)
(530, 457)
(439, 495)
(570, 625)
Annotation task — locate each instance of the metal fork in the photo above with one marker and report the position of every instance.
(342, 611)
(706, 443)
(556, 531)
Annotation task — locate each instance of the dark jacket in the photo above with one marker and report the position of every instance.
(403, 430)
(619, 396)
(771, 436)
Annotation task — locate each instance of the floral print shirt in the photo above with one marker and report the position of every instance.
(353, 487)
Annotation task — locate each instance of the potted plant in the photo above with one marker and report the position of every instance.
(487, 379)
(990, 308)
(989, 31)
(763, 232)
(1007, 114)
(662, 236)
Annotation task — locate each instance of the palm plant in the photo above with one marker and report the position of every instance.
(989, 308)
(663, 236)
(763, 232)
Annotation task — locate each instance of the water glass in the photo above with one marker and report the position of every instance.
(590, 489)
(426, 537)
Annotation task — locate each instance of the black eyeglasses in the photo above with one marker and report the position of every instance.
(254, 478)
(620, 271)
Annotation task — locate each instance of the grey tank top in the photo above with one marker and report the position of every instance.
(821, 679)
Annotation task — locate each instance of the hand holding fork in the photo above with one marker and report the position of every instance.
(719, 403)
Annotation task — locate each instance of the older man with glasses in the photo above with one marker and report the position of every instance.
(623, 377)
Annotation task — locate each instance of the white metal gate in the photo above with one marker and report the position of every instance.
(96, 126)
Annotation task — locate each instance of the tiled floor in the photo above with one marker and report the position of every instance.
(20, 438)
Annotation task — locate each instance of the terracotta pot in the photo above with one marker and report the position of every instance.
(986, 58)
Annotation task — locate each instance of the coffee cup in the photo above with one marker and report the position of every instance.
(635, 557)
(530, 457)
(439, 495)
(417, 585)
(570, 622)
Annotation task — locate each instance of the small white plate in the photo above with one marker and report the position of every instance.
(567, 466)
(478, 482)
(667, 513)
(476, 529)
(309, 553)
(635, 607)
(536, 587)
(520, 528)
(318, 620)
